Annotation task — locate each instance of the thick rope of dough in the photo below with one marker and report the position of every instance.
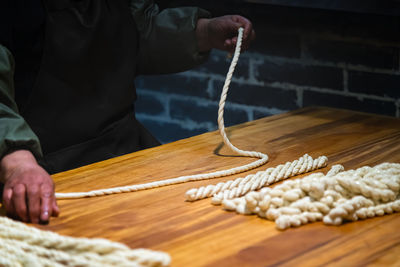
(286, 171)
(21, 245)
(263, 158)
(333, 198)
(240, 186)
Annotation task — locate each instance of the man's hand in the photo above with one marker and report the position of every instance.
(28, 189)
(221, 33)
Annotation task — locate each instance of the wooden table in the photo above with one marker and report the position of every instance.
(200, 234)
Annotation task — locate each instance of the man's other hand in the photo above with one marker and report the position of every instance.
(221, 33)
(28, 189)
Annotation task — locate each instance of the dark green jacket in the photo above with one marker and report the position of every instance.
(167, 44)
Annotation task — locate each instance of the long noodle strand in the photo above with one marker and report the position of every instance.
(263, 158)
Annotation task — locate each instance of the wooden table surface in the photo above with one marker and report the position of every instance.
(200, 234)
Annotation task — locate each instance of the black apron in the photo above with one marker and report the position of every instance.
(81, 104)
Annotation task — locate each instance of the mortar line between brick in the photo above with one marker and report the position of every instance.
(350, 94)
(345, 80)
(278, 85)
(314, 62)
(299, 93)
(252, 76)
(210, 88)
(221, 78)
(290, 86)
(206, 102)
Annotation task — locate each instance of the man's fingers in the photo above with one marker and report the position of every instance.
(236, 26)
(32, 190)
(34, 202)
(229, 45)
(55, 209)
(248, 32)
(248, 37)
(46, 196)
(7, 201)
(19, 201)
(245, 23)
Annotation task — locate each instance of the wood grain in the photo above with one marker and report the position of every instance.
(199, 234)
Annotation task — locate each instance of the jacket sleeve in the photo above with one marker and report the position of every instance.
(15, 133)
(168, 41)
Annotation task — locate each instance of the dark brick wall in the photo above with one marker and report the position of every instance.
(301, 57)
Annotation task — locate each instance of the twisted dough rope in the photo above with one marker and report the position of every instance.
(241, 186)
(333, 198)
(263, 158)
(21, 245)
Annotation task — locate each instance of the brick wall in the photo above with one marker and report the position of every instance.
(301, 57)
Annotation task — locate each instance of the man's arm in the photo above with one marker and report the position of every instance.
(168, 41)
(28, 189)
(14, 131)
